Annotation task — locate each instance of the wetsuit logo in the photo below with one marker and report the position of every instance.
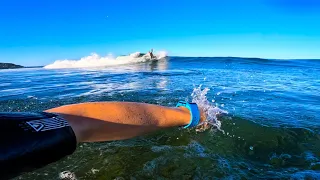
(36, 125)
(48, 124)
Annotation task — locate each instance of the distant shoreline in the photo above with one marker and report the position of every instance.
(10, 66)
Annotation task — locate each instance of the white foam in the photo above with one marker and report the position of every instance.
(95, 60)
(67, 175)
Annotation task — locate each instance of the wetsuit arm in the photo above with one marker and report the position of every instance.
(30, 141)
(104, 121)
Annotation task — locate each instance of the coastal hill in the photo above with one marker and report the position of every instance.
(9, 66)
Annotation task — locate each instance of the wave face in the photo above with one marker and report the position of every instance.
(95, 60)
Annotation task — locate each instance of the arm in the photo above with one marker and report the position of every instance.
(33, 140)
(106, 121)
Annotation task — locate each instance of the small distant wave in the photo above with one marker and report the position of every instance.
(95, 60)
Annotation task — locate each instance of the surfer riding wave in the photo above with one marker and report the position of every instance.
(151, 54)
(95, 60)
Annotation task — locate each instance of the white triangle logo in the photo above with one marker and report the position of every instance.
(35, 125)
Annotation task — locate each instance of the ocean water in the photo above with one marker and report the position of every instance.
(271, 130)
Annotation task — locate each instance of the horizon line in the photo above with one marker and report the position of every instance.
(285, 59)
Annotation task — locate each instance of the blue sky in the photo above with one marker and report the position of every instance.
(40, 32)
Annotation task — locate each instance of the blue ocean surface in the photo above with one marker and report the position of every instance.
(271, 130)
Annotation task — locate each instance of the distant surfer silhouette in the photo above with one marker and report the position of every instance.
(151, 54)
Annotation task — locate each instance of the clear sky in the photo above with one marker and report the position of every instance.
(40, 32)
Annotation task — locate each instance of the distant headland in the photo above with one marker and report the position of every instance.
(9, 66)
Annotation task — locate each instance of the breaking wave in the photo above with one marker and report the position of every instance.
(95, 60)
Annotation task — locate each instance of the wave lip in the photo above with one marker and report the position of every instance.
(95, 60)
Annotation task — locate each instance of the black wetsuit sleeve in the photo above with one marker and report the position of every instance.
(29, 141)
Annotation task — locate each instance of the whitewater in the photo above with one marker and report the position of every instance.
(95, 60)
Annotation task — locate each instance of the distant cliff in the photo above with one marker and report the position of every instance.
(9, 66)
